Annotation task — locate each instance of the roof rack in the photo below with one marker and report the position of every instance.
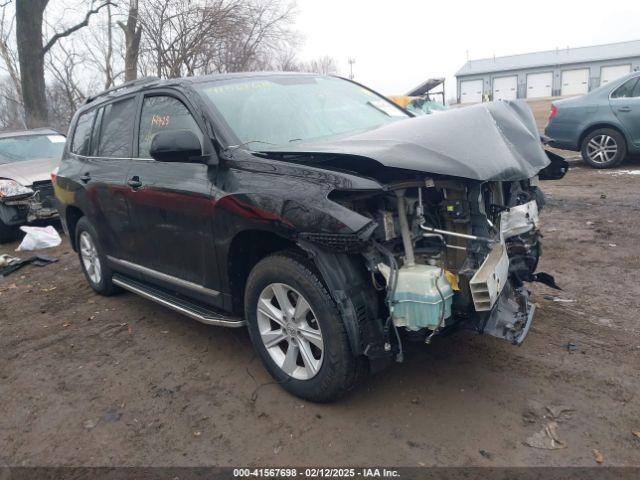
(131, 83)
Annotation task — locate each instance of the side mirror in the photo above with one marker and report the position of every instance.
(181, 146)
(556, 169)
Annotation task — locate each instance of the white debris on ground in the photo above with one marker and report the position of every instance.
(620, 172)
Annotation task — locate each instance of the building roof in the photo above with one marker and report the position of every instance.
(562, 56)
(425, 87)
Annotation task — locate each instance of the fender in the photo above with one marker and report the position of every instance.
(348, 282)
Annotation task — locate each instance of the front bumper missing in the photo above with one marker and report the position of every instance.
(511, 316)
(30, 209)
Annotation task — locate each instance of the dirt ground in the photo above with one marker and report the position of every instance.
(88, 380)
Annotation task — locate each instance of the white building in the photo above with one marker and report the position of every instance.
(562, 72)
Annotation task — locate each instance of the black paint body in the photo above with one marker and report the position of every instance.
(199, 221)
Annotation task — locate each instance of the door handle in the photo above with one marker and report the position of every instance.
(85, 178)
(134, 182)
(624, 109)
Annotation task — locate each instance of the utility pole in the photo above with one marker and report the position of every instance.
(351, 61)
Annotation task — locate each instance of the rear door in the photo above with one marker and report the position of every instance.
(625, 103)
(102, 172)
(172, 204)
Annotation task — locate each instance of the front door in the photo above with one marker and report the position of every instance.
(625, 103)
(172, 205)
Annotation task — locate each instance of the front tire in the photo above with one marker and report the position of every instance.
(92, 259)
(604, 148)
(297, 331)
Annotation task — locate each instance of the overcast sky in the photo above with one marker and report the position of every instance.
(398, 44)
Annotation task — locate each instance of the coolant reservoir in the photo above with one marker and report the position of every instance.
(417, 302)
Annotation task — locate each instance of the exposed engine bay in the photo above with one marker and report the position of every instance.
(448, 252)
(446, 218)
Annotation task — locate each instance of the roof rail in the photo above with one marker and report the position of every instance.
(130, 83)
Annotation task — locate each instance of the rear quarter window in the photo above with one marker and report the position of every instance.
(82, 135)
(116, 131)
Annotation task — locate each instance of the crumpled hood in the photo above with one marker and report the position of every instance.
(496, 141)
(29, 171)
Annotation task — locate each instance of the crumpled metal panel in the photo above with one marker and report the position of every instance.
(520, 219)
(494, 141)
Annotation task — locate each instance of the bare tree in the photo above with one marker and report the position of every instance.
(108, 69)
(32, 51)
(6, 52)
(62, 64)
(262, 30)
(207, 36)
(324, 65)
(176, 37)
(11, 111)
(103, 48)
(132, 35)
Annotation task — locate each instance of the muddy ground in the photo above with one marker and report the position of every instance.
(87, 380)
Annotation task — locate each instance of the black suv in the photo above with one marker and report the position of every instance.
(325, 218)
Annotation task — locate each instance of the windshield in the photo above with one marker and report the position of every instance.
(31, 147)
(421, 106)
(281, 110)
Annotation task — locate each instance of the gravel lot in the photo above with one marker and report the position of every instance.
(87, 380)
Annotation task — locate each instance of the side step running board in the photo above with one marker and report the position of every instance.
(190, 309)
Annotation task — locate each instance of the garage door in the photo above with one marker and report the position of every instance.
(539, 85)
(471, 91)
(575, 82)
(608, 74)
(505, 88)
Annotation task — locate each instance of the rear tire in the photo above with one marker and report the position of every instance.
(92, 259)
(604, 148)
(276, 334)
(8, 233)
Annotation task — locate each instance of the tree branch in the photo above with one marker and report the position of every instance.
(75, 28)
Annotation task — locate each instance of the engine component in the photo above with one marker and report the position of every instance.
(388, 225)
(422, 298)
(409, 258)
(490, 279)
(456, 210)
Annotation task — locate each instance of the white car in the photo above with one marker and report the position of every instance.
(27, 159)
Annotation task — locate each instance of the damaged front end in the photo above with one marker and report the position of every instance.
(453, 230)
(446, 252)
(19, 205)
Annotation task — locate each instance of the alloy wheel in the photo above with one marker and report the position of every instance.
(90, 258)
(602, 149)
(290, 331)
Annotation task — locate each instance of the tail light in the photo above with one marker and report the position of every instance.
(553, 113)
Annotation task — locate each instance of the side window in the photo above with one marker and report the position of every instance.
(95, 137)
(626, 90)
(636, 91)
(82, 135)
(116, 131)
(163, 113)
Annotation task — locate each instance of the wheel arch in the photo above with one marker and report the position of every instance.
(72, 215)
(246, 249)
(349, 284)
